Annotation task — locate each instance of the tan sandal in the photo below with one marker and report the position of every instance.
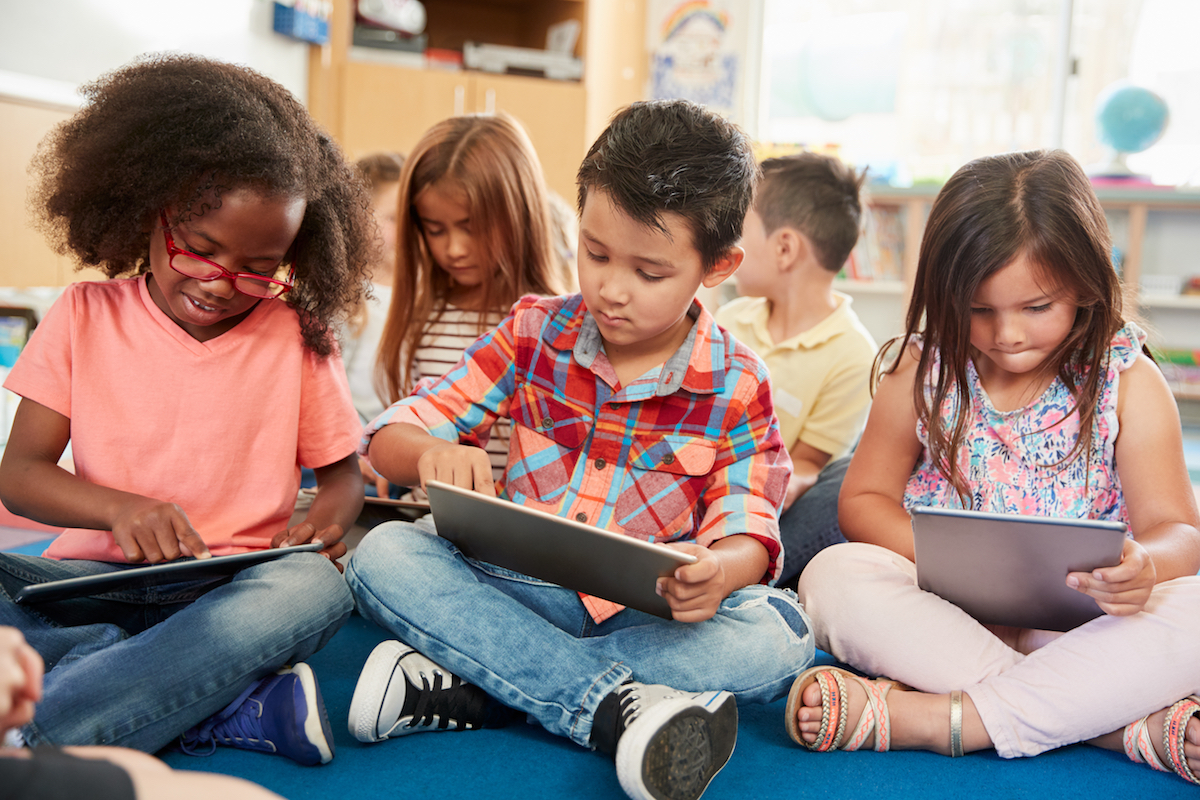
(834, 710)
(1140, 747)
(875, 716)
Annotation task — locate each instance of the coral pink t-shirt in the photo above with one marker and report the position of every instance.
(221, 428)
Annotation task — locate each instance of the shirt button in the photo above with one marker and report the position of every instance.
(669, 458)
(581, 517)
(600, 463)
(547, 422)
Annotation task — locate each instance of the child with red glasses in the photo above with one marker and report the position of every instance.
(191, 393)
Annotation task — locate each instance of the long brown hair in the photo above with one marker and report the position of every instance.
(1039, 204)
(492, 160)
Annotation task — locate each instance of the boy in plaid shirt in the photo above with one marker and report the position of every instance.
(632, 411)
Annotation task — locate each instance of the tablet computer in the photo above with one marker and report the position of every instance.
(1007, 569)
(190, 569)
(591, 560)
(371, 500)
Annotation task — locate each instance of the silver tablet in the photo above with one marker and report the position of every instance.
(1011, 570)
(587, 559)
(190, 569)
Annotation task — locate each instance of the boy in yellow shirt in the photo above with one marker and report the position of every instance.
(797, 235)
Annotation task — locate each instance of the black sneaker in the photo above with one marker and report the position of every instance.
(401, 691)
(671, 744)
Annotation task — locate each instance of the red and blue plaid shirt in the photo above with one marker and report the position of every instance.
(689, 452)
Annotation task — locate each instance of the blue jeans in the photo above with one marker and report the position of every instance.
(137, 668)
(533, 646)
(811, 523)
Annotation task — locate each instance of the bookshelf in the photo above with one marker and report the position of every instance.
(1156, 236)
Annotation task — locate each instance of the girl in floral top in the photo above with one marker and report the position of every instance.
(1020, 388)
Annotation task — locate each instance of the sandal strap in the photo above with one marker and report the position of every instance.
(1140, 747)
(833, 707)
(875, 716)
(1174, 731)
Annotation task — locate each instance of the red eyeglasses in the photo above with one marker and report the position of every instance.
(200, 268)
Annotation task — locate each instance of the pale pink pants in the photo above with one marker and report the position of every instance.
(1034, 690)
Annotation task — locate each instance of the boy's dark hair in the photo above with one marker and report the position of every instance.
(167, 131)
(817, 195)
(675, 156)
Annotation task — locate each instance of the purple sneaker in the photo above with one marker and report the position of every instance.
(282, 713)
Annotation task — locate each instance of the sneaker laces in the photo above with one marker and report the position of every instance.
(439, 705)
(233, 723)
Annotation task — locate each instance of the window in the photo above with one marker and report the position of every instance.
(915, 88)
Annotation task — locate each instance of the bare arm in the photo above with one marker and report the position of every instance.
(407, 455)
(871, 503)
(1158, 494)
(807, 463)
(337, 504)
(34, 486)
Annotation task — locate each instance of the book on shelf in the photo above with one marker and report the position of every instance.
(1181, 368)
(879, 252)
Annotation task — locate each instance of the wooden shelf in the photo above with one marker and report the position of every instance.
(1189, 302)
(870, 287)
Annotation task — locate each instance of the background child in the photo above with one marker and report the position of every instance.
(800, 231)
(191, 394)
(474, 236)
(1016, 320)
(97, 773)
(634, 412)
(360, 343)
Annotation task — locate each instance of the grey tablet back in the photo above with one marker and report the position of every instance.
(1011, 570)
(581, 557)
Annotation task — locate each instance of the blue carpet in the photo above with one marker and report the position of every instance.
(523, 761)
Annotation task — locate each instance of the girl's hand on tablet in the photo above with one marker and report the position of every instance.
(154, 531)
(306, 532)
(1121, 590)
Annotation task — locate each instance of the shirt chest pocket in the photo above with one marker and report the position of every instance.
(667, 476)
(548, 434)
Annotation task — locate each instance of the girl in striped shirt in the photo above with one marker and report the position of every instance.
(474, 236)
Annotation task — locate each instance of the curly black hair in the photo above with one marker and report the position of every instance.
(168, 131)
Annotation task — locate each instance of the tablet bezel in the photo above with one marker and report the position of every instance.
(154, 574)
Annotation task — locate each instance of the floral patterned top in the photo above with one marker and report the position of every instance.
(1010, 458)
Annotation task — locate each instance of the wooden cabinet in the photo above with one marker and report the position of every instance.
(28, 260)
(371, 105)
(387, 107)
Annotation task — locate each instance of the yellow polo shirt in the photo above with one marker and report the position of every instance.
(820, 379)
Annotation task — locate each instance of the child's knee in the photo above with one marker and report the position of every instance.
(762, 605)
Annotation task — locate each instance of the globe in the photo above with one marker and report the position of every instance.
(1129, 118)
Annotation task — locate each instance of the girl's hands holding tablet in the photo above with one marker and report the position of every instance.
(1121, 590)
(330, 536)
(153, 531)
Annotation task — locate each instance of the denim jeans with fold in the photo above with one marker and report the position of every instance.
(138, 667)
(533, 646)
